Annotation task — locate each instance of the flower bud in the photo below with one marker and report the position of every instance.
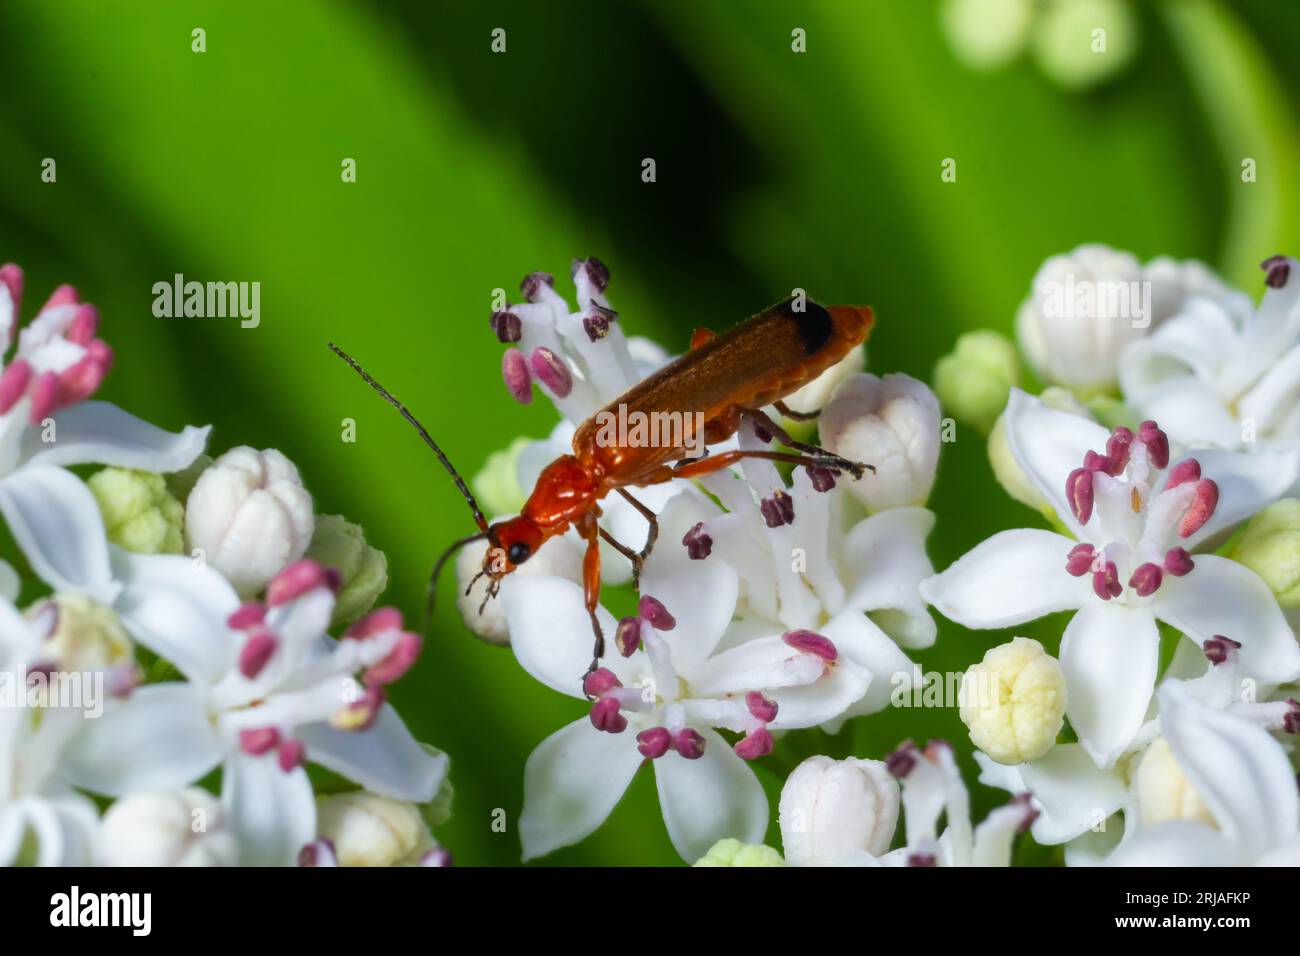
(140, 514)
(892, 423)
(184, 827)
(1270, 546)
(369, 830)
(87, 635)
(496, 486)
(1163, 790)
(974, 380)
(340, 544)
(251, 517)
(1065, 41)
(1084, 308)
(731, 852)
(985, 34)
(1013, 701)
(559, 557)
(830, 809)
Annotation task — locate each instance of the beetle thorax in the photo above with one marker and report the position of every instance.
(565, 491)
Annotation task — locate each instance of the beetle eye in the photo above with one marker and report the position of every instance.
(519, 552)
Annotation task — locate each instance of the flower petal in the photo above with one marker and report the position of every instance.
(1176, 843)
(860, 641)
(101, 433)
(1013, 577)
(1110, 654)
(385, 759)
(572, 782)
(160, 737)
(1049, 444)
(885, 562)
(710, 799)
(178, 608)
(550, 632)
(55, 520)
(1073, 794)
(1239, 770)
(1220, 596)
(272, 813)
(1191, 411)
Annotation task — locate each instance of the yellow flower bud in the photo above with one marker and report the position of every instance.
(87, 635)
(1013, 701)
(1163, 790)
(140, 514)
(731, 852)
(369, 830)
(1270, 546)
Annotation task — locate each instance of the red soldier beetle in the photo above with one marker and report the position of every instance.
(722, 380)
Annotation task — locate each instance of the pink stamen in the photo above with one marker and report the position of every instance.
(606, 716)
(597, 272)
(296, 580)
(1118, 448)
(63, 295)
(519, 381)
(258, 740)
(84, 325)
(45, 395)
(81, 380)
(627, 637)
(551, 371)
(379, 621)
(903, 759)
(531, 286)
(689, 743)
(256, 653)
(1025, 800)
(763, 708)
(777, 510)
(600, 682)
(319, 852)
(1105, 583)
(1201, 508)
(1219, 648)
(400, 660)
(507, 326)
(13, 383)
(1095, 462)
(1277, 269)
(1146, 579)
(1079, 561)
(292, 753)
(1178, 561)
(653, 611)
(1078, 492)
(1157, 443)
(698, 543)
(254, 612)
(360, 714)
(12, 277)
(654, 743)
(1291, 722)
(757, 743)
(822, 477)
(810, 643)
(1183, 472)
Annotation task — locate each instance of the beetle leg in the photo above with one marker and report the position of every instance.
(794, 416)
(628, 553)
(825, 458)
(698, 467)
(652, 534)
(589, 529)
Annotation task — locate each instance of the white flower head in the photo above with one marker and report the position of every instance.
(893, 423)
(47, 422)
(834, 810)
(1137, 514)
(266, 690)
(1218, 373)
(250, 516)
(182, 827)
(664, 688)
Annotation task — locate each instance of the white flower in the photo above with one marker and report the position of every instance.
(1135, 516)
(1220, 374)
(184, 827)
(561, 556)
(46, 423)
(834, 810)
(1088, 305)
(250, 517)
(892, 423)
(1245, 780)
(34, 802)
(266, 689)
(661, 702)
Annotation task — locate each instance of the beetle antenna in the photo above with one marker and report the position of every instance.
(428, 439)
(437, 571)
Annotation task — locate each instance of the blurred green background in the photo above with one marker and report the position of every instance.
(775, 169)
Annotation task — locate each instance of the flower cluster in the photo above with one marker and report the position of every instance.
(175, 653)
